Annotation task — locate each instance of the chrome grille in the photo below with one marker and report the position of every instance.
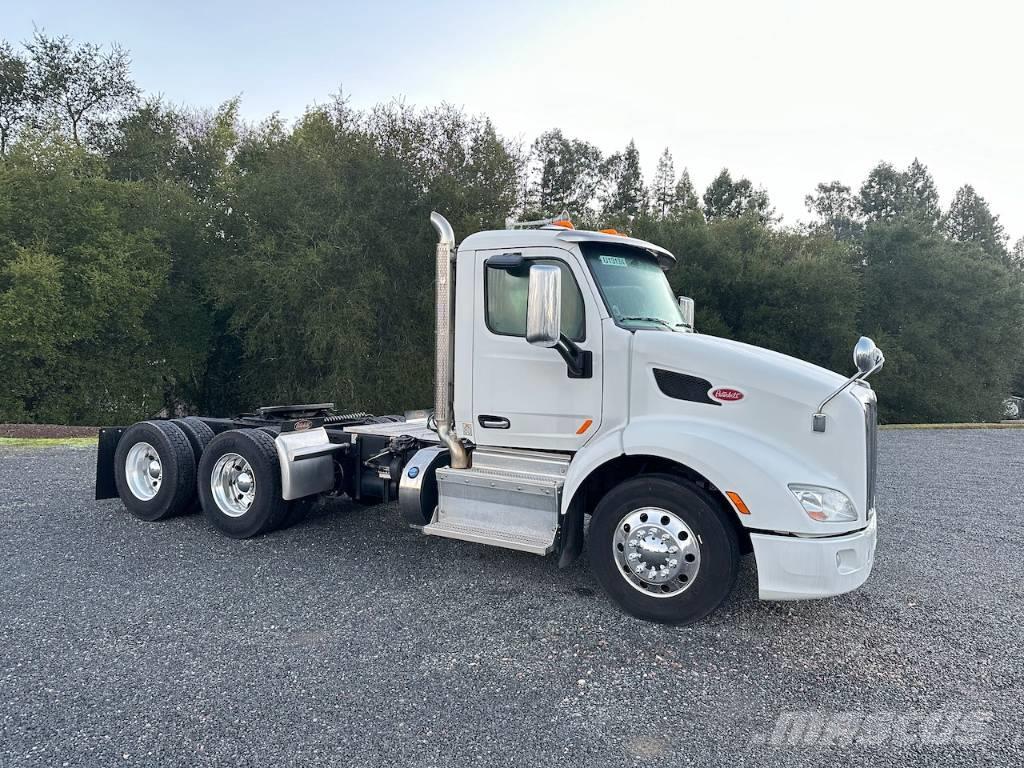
(871, 428)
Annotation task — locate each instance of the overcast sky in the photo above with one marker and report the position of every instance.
(785, 93)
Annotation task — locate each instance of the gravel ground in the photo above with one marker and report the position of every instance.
(351, 639)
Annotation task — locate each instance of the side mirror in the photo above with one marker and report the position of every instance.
(544, 305)
(866, 356)
(686, 308)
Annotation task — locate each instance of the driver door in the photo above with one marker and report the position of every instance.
(523, 396)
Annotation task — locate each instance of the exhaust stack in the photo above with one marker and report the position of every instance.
(444, 359)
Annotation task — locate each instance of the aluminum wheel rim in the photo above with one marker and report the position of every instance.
(233, 484)
(143, 471)
(656, 552)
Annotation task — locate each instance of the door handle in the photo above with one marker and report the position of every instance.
(494, 422)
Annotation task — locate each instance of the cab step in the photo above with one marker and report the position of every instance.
(507, 499)
(496, 537)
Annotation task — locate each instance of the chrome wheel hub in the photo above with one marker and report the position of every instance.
(233, 484)
(143, 471)
(656, 552)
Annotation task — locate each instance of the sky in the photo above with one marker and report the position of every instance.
(786, 93)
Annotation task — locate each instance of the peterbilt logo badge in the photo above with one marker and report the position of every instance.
(727, 394)
(302, 424)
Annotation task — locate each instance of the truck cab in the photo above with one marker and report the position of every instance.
(571, 386)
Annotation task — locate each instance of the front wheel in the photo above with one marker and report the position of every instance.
(662, 550)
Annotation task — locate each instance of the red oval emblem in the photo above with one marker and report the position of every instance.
(727, 394)
(302, 424)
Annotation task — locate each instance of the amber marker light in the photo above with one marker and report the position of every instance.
(741, 507)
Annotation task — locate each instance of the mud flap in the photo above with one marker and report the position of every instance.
(570, 540)
(108, 440)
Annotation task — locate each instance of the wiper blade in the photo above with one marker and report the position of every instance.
(657, 320)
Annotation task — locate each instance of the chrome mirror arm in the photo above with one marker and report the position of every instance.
(818, 419)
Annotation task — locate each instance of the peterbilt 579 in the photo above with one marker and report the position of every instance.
(574, 403)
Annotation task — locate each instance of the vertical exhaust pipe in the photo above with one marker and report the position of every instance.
(444, 358)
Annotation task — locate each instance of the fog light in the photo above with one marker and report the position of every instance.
(825, 505)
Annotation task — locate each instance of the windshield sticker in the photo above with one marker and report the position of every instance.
(614, 261)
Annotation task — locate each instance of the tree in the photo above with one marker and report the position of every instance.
(834, 204)
(725, 199)
(627, 196)
(888, 194)
(15, 94)
(949, 319)
(80, 86)
(1017, 254)
(969, 220)
(684, 198)
(567, 174)
(663, 192)
(80, 276)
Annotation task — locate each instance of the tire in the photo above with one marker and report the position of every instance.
(198, 433)
(150, 496)
(682, 520)
(261, 508)
(199, 436)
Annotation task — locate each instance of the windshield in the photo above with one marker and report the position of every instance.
(633, 285)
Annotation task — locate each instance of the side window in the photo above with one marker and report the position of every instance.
(506, 294)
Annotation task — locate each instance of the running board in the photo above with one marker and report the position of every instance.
(507, 499)
(495, 537)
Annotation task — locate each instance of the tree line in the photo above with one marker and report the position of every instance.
(164, 259)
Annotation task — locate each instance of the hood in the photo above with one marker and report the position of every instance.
(736, 365)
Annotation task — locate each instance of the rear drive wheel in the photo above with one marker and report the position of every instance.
(662, 550)
(155, 470)
(199, 436)
(198, 433)
(240, 484)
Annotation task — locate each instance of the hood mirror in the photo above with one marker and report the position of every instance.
(866, 356)
(686, 309)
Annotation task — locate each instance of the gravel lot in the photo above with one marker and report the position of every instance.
(351, 639)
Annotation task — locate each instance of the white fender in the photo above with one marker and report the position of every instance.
(758, 470)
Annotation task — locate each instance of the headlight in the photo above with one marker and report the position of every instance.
(825, 505)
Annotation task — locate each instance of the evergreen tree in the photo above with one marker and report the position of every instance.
(663, 190)
(969, 220)
(834, 204)
(567, 174)
(685, 199)
(627, 196)
(726, 199)
(888, 194)
(1017, 254)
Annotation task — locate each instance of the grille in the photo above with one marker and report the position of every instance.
(871, 428)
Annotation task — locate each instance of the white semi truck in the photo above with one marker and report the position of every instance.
(570, 385)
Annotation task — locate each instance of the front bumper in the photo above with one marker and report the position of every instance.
(791, 568)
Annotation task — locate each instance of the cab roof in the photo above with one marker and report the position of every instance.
(557, 237)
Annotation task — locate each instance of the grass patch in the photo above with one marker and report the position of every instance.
(47, 442)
